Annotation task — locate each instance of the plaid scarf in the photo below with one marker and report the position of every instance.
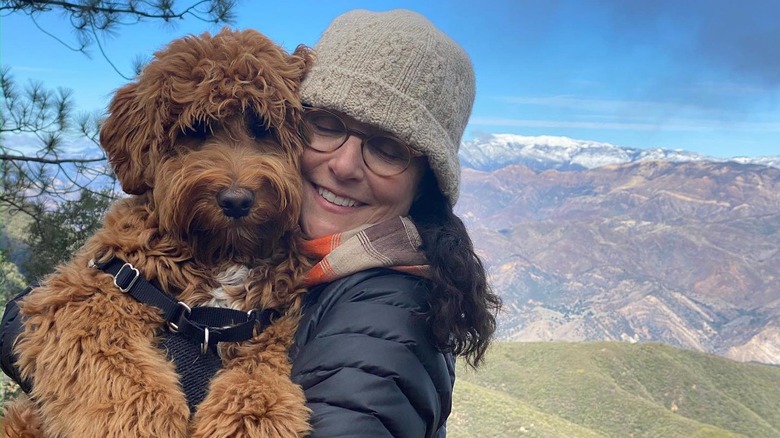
(394, 243)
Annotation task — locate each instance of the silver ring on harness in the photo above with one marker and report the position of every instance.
(204, 347)
(187, 310)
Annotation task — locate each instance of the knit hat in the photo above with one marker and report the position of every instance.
(397, 71)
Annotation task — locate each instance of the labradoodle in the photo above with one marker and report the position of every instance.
(205, 141)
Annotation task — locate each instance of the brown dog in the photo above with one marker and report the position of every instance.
(206, 142)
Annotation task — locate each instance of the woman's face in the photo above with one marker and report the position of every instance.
(340, 193)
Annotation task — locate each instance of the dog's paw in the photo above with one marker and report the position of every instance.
(20, 419)
(114, 398)
(261, 404)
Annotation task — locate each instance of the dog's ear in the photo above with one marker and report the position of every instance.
(304, 57)
(298, 65)
(131, 137)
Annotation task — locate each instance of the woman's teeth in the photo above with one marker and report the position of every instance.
(334, 199)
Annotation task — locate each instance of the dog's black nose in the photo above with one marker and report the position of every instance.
(235, 201)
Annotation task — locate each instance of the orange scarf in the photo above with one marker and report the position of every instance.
(394, 244)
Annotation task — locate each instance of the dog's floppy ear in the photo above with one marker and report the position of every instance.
(305, 57)
(298, 65)
(131, 137)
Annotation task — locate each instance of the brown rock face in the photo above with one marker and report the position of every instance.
(683, 253)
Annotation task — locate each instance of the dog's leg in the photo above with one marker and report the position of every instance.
(20, 419)
(95, 369)
(253, 395)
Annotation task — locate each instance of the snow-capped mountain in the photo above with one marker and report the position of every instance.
(495, 151)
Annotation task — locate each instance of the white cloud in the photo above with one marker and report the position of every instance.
(602, 105)
(71, 146)
(646, 125)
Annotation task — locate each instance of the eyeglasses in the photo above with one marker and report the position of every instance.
(384, 154)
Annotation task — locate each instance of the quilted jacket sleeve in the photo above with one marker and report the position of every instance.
(364, 358)
(10, 328)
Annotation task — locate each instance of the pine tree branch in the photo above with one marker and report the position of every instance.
(9, 157)
(54, 37)
(102, 52)
(91, 9)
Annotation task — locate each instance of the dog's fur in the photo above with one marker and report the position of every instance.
(208, 114)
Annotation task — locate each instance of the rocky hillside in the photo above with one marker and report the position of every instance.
(685, 252)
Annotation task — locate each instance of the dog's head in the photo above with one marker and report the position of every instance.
(210, 129)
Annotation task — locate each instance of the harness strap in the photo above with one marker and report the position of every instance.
(207, 326)
(194, 368)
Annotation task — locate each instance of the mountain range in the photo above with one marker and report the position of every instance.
(495, 151)
(588, 241)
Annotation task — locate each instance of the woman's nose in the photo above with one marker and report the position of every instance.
(346, 162)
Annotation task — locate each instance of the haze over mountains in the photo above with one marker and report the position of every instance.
(590, 241)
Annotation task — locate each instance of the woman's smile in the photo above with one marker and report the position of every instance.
(336, 199)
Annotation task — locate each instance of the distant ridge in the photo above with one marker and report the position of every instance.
(495, 151)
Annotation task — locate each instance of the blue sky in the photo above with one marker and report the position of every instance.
(698, 75)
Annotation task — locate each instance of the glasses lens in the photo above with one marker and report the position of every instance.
(386, 156)
(323, 131)
(326, 132)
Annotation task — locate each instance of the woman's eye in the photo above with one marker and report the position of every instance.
(326, 129)
(388, 149)
(327, 126)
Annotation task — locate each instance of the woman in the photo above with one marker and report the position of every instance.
(399, 290)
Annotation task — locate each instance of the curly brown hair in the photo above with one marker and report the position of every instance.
(463, 305)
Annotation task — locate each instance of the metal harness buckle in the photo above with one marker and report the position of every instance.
(132, 270)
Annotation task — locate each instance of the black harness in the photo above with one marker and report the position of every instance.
(190, 340)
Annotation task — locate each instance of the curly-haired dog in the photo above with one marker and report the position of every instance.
(206, 142)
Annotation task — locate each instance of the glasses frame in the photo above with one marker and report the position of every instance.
(364, 139)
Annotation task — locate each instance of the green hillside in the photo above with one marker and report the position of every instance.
(607, 389)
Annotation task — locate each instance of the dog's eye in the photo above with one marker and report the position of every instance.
(197, 130)
(261, 133)
(257, 127)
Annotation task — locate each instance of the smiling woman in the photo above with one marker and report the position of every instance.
(398, 290)
(354, 181)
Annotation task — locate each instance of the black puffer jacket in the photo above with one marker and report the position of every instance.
(364, 357)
